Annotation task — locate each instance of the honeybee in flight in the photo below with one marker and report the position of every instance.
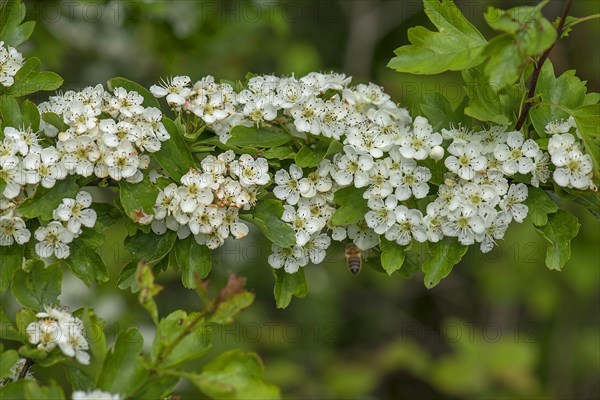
(353, 258)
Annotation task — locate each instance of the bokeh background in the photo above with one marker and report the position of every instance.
(501, 326)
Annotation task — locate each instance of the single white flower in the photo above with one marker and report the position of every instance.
(195, 191)
(363, 237)
(13, 229)
(466, 159)
(574, 169)
(302, 222)
(496, 224)
(465, 224)
(382, 214)
(408, 225)
(288, 184)
(517, 155)
(420, 142)
(512, 202)
(75, 212)
(250, 171)
(53, 239)
(317, 247)
(352, 166)
(290, 258)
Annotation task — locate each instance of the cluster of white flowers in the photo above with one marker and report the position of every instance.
(56, 327)
(573, 166)
(389, 157)
(94, 395)
(10, 63)
(319, 104)
(207, 202)
(107, 133)
(15, 372)
(69, 217)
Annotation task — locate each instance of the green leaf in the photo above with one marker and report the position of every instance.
(85, 263)
(8, 330)
(235, 375)
(267, 217)
(12, 12)
(194, 343)
(287, 286)
(352, 206)
(35, 392)
(34, 81)
(585, 198)
(540, 205)
(158, 388)
(174, 155)
(488, 104)
(37, 354)
(149, 99)
(445, 254)
(562, 226)
(18, 34)
(587, 119)
(130, 226)
(39, 287)
(7, 361)
(10, 112)
(279, 153)
(227, 310)
(12, 31)
(527, 33)
(11, 260)
(567, 91)
(94, 332)
(244, 136)
(138, 199)
(31, 116)
(127, 277)
(150, 247)
(123, 371)
(23, 318)
(193, 259)
(55, 120)
(79, 379)
(392, 256)
(458, 44)
(439, 112)
(44, 201)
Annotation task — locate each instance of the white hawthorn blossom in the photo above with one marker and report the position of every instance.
(10, 63)
(466, 159)
(53, 239)
(13, 230)
(76, 212)
(517, 155)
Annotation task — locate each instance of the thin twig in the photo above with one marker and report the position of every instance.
(28, 364)
(538, 68)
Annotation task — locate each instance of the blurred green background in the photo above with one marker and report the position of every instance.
(501, 326)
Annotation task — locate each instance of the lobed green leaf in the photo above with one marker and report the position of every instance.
(457, 46)
(562, 226)
(288, 286)
(445, 254)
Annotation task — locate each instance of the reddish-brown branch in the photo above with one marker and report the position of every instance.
(538, 68)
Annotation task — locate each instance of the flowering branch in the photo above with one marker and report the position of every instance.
(538, 68)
